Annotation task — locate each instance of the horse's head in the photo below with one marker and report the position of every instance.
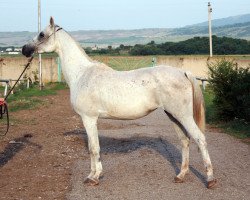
(43, 42)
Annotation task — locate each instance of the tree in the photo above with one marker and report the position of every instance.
(231, 85)
(196, 45)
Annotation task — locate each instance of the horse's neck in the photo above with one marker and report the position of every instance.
(73, 58)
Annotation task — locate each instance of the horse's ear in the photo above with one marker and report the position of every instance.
(52, 23)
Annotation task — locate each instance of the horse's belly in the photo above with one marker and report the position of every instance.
(129, 115)
(132, 107)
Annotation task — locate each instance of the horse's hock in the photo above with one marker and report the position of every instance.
(11, 67)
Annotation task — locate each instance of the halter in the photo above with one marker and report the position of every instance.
(45, 39)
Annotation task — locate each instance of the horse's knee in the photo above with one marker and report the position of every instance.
(185, 143)
(94, 152)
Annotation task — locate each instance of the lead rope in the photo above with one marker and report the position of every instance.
(3, 103)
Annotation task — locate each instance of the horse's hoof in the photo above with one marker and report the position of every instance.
(91, 182)
(178, 180)
(211, 184)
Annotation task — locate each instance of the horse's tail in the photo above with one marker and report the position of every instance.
(198, 103)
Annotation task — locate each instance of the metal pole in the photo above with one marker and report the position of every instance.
(6, 88)
(59, 70)
(40, 57)
(210, 29)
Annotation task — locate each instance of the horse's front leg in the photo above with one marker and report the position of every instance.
(90, 124)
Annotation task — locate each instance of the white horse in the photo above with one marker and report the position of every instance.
(97, 91)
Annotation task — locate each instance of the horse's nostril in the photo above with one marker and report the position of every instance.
(23, 49)
(28, 50)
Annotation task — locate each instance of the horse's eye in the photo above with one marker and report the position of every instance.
(41, 35)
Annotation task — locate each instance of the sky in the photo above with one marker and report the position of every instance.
(72, 15)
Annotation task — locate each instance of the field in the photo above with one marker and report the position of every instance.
(126, 62)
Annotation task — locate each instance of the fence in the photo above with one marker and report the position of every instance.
(10, 68)
(9, 83)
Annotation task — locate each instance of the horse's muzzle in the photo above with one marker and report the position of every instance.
(28, 50)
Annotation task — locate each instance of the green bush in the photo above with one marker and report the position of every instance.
(231, 87)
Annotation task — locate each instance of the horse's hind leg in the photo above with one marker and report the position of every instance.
(193, 130)
(185, 140)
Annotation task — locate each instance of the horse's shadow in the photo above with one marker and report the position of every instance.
(14, 147)
(123, 145)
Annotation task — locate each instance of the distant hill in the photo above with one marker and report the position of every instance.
(235, 26)
(227, 21)
(15, 38)
(240, 30)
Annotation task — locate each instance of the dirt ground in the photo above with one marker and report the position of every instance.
(45, 156)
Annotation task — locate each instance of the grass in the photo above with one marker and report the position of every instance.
(24, 99)
(123, 63)
(210, 107)
(44, 55)
(237, 127)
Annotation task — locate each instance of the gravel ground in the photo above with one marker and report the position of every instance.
(45, 156)
(141, 157)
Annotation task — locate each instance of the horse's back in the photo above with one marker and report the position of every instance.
(129, 94)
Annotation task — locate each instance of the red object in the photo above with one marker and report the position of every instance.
(4, 111)
(2, 102)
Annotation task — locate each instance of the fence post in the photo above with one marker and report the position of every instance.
(153, 61)
(6, 89)
(59, 70)
(28, 83)
(203, 81)
(204, 84)
(12, 92)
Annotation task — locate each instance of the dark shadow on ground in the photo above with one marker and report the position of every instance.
(14, 146)
(124, 145)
